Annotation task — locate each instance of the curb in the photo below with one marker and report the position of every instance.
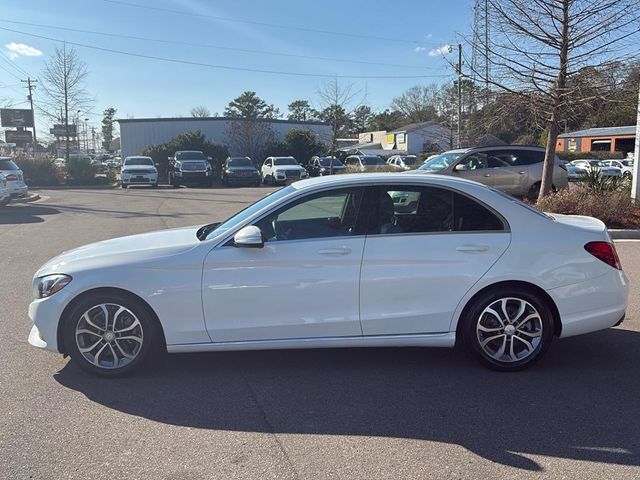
(624, 234)
(78, 187)
(31, 198)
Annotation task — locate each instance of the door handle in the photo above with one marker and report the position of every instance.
(522, 173)
(487, 175)
(472, 248)
(335, 251)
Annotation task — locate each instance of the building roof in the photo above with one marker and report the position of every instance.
(601, 132)
(219, 119)
(412, 127)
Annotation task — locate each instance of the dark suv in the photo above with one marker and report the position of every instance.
(513, 169)
(240, 171)
(190, 167)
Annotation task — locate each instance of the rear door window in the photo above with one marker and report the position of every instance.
(8, 164)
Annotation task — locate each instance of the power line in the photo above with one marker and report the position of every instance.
(18, 68)
(10, 73)
(218, 47)
(223, 67)
(263, 24)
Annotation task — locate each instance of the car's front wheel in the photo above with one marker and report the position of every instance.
(508, 329)
(110, 334)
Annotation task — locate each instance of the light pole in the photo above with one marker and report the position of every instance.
(78, 129)
(86, 139)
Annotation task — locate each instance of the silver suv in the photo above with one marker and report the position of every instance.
(513, 169)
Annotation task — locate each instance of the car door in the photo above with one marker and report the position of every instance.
(265, 171)
(416, 271)
(474, 166)
(512, 170)
(302, 284)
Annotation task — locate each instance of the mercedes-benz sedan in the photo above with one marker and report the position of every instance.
(406, 260)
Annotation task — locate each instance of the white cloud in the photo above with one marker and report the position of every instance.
(440, 50)
(419, 49)
(429, 35)
(18, 49)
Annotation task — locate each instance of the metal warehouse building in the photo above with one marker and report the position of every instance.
(138, 133)
(609, 139)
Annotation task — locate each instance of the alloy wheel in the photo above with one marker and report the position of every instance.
(109, 336)
(509, 330)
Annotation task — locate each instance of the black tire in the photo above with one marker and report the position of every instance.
(525, 355)
(627, 175)
(149, 331)
(534, 192)
(154, 185)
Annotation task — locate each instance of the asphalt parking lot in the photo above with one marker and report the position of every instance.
(352, 413)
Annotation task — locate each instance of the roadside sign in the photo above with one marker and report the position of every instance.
(14, 117)
(60, 131)
(15, 136)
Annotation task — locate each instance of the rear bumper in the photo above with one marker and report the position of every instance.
(17, 189)
(593, 305)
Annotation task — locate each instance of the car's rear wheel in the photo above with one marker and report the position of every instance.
(508, 329)
(110, 334)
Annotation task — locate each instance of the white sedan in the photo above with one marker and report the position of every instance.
(578, 169)
(5, 193)
(334, 262)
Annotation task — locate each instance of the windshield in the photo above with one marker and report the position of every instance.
(242, 215)
(372, 161)
(596, 163)
(240, 162)
(138, 161)
(627, 163)
(285, 161)
(8, 164)
(193, 165)
(326, 162)
(442, 161)
(190, 156)
(410, 160)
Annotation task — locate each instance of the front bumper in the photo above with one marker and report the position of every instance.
(45, 314)
(242, 179)
(140, 179)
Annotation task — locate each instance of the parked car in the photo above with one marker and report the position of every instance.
(240, 171)
(190, 167)
(5, 194)
(319, 166)
(403, 162)
(113, 163)
(583, 167)
(364, 163)
(138, 170)
(513, 169)
(280, 170)
(625, 166)
(320, 263)
(14, 177)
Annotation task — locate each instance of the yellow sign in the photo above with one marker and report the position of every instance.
(391, 139)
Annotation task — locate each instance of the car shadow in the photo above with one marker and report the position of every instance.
(25, 213)
(580, 402)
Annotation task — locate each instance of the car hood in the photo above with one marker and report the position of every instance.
(123, 250)
(288, 167)
(146, 168)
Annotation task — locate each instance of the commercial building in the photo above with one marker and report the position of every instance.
(136, 134)
(608, 139)
(413, 138)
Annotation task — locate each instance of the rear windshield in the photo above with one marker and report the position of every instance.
(7, 164)
(372, 161)
(190, 156)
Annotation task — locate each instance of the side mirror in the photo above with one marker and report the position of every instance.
(461, 168)
(248, 237)
(169, 158)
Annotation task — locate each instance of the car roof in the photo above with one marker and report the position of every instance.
(382, 178)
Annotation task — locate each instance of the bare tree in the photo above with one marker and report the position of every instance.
(249, 136)
(543, 50)
(419, 103)
(64, 78)
(337, 104)
(200, 112)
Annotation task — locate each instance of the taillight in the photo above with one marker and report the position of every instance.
(604, 251)
(12, 178)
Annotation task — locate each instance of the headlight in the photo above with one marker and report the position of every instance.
(50, 284)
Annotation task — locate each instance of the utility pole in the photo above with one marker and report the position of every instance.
(459, 142)
(93, 139)
(636, 156)
(31, 87)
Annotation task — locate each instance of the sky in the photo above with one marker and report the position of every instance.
(391, 46)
